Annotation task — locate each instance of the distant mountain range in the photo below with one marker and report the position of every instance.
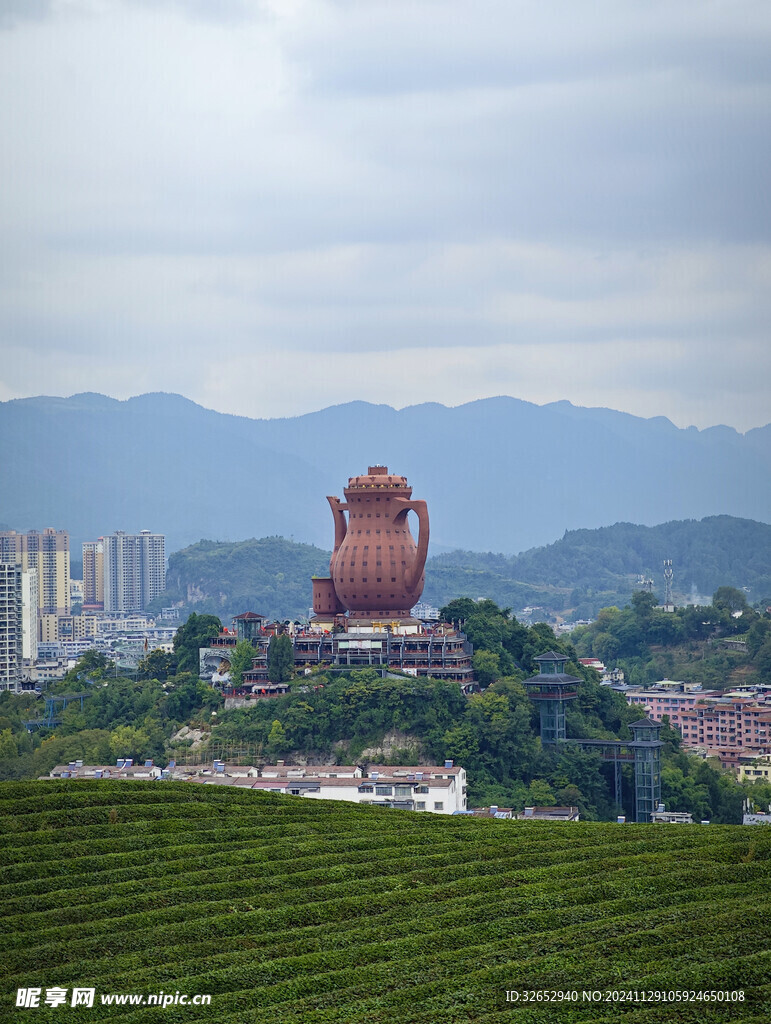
(582, 572)
(499, 474)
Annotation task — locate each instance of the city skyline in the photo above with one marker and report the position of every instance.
(274, 207)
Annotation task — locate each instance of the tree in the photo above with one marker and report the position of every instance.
(729, 599)
(190, 637)
(185, 696)
(280, 659)
(276, 738)
(643, 603)
(158, 664)
(762, 662)
(760, 632)
(540, 794)
(458, 610)
(241, 661)
(127, 741)
(487, 667)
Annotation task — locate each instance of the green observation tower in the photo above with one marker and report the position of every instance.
(551, 688)
(647, 767)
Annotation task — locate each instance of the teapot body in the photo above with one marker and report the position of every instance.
(377, 568)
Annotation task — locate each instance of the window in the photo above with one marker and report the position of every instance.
(383, 790)
(420, 805)
(366, 789)
(438, 805)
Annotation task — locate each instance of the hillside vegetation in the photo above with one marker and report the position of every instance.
(271, 576)
(579, 574)
(292, 911)
(590, 569)
(650, 644)
(337, 717)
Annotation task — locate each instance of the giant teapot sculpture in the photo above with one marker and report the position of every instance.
(376, 568)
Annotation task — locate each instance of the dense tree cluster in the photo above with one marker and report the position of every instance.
(649, 643)
(120, 717)
(269, 576)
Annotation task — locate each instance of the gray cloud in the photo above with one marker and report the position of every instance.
(551, 201)
(15, 12)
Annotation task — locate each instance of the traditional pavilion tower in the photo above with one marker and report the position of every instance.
(647, 746)
(552, 688)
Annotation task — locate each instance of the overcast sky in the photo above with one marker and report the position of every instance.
(271, 207)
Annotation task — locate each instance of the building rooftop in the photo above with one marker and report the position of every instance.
(402, 771)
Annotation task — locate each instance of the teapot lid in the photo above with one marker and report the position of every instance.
(378, 476)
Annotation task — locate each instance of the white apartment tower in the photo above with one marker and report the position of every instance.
(11, 628)
(30, 614)
(134, 570)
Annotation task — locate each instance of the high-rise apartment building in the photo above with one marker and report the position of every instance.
(11, 626)
(49, 553)
(30, 614)
(93, 575)
(134, 570)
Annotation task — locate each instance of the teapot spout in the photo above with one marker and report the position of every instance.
(341, 527)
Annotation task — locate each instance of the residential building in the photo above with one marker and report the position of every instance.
(434, 789)
(134, 570)
(124, 768)
(729, 727)
(11, 627)
(668, 698)
(48, 668)
(57, 628)
(49, 553)
(425, 611)
(662, 817)
(30, 614)
(759, 768)
(549, 814)
(93, 575)
(493, 811)
(756, 819)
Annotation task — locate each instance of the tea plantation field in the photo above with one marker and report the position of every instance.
(286, 909)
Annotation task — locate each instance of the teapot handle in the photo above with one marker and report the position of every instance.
(414, 572)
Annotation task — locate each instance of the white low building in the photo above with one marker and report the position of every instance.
(433, 788)
(124, 768)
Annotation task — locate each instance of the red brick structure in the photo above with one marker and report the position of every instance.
(376, 569)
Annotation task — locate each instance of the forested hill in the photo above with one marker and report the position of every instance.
(271, 576)
(583, 571)
(587, 569)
